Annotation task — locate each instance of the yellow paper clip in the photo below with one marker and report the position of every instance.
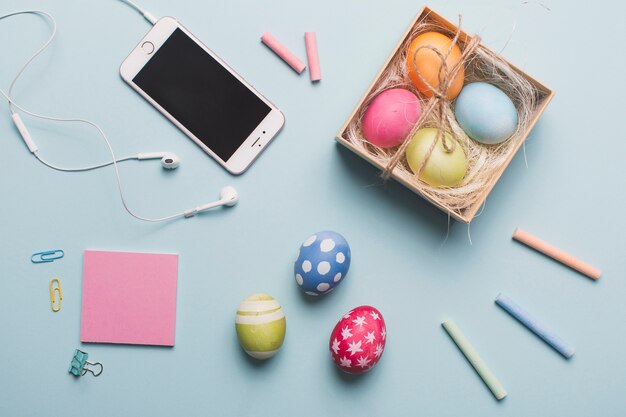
(55, 303)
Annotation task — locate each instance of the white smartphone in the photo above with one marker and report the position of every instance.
(202, 95)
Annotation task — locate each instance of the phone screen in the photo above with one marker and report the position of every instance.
(201, 94)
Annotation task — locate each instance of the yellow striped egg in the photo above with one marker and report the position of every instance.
(260, 325)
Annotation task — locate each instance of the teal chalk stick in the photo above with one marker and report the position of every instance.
(475, 360)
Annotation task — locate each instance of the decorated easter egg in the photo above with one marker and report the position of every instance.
(443, 169)
(322, 263)
(390, 117)
(358, 340)
(485, 113)
(429, 64)
(260, 325)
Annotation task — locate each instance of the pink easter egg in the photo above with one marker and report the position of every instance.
(358, 340)
(390, 117)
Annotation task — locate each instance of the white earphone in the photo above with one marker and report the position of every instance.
(228, 195)
(168, 160)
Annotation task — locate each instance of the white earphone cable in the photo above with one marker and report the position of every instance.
(110, 148)
(146, 14)
(81, 169)
(53, 25)
(113, 162)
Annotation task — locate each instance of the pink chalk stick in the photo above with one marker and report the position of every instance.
(312, 56)
(280, 50)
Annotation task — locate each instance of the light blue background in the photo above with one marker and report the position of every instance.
(572, 194)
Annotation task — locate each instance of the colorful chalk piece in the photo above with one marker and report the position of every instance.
(474, 359)
(534, 326)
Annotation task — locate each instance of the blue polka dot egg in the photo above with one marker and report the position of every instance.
(322, 263)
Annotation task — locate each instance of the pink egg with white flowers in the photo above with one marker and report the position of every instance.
(358, 340)
(390, 117)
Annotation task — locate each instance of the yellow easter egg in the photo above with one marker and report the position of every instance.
(443, 169)
(260, 325)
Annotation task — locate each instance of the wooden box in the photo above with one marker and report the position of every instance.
(543, 96)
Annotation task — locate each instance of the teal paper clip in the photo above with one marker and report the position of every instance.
(78, 366)
(47, 256)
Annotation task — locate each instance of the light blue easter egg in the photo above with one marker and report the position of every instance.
(485, 113)
(322, 263)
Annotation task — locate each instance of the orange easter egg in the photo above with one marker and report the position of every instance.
(428, 63)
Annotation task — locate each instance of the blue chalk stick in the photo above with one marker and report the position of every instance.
(523, 317)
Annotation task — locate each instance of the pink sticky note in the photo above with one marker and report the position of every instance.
(129, 298)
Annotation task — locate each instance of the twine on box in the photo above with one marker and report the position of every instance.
(439, 102)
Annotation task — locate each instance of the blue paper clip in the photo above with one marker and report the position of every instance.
(47, 256)
(79, 362)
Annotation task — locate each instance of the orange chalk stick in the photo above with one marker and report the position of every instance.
(556, 253)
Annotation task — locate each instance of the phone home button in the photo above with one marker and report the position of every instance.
(147, 47)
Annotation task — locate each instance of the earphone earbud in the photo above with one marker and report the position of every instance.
(228, 197)
(168, 160)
